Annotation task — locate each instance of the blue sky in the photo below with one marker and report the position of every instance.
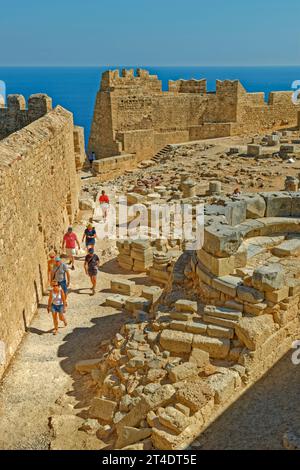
(156, 32)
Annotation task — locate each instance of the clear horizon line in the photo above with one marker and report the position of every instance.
(146, 65)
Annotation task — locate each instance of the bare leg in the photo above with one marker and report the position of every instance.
(94, 283)
(63, 318)
(55, 322)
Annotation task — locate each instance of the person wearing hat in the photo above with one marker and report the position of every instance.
(61, 275)
(91, 267)
(89, 236)
(70, 241)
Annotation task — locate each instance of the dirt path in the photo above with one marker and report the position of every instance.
(42, 372)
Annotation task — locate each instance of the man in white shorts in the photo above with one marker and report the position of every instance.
(70, 241)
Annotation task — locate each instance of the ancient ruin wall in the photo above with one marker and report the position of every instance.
(39, 193)
(134, 116)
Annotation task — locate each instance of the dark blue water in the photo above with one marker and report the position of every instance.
(75, 88)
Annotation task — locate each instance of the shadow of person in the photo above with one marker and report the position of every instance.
(36, 331)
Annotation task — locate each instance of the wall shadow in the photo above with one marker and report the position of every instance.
(261, 416)
(84, 343)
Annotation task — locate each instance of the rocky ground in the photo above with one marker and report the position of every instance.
(43, 399)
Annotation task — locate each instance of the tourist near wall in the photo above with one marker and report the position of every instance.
(133, 116)
(39, 188)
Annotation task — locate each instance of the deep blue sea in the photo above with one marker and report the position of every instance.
(75, 88)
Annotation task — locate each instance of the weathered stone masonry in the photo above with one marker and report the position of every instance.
(39, 189)
(134, 118)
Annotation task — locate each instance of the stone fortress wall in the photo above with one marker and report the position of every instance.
(39, 187)
(134, 118)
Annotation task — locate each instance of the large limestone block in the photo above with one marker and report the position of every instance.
(255, 205)
(269, 277)
(287, 248)
(222, 312)
(152, 293)
(186, 306)
(173, 419)
(235, 212)
(217, 266)
(279, 204)
(254, 331)
(102, 409)
(128, 435)
(223, 386)
(176, 341)
(217, 348)
(199, 357)
(227, 284)
(221, 240)
(248, 294)
(195, 395)
(183, 371)
(122, 286)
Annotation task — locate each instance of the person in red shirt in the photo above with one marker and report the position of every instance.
(104, 204)
(70, 241)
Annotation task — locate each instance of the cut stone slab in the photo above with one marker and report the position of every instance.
(195, 395)
(248, 294)
(221, 312)
(137, 303)
(116, 301)
(287, 248)
(181, 316)
(178, 325)
(269, 277)
(186, 306)
(217, 348)
(152, 293)
(276, 296)
(219, 321)
(122, 286)
(199, 357)
(175, 341)
(102, 409)
(183, 371)
(254, 331)
(220, 331)
(223, 386)
(196, 327)
(217, 266)
(173, 419)
(128, 435)
(227, 284)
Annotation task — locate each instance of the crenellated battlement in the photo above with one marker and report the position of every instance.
(187, 86)
(127, 79)
(17, 114)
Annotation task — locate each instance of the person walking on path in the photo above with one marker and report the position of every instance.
(61, 275)
(91, 158)
(51, 265)
(89, 236)
(70, 241)
(104, 204)
(91, 268)
(57, 305)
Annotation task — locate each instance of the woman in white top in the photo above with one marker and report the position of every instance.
(57, 305)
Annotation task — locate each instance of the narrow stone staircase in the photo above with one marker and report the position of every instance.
(163, 154)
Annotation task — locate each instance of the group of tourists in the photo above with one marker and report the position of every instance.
(58, 270)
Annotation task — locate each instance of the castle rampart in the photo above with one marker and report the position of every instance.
(39, 188)
(133, 115)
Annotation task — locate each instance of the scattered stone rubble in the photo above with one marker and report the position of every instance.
(229, 312)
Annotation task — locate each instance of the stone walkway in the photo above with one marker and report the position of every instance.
(42, 371)
(41, 381)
